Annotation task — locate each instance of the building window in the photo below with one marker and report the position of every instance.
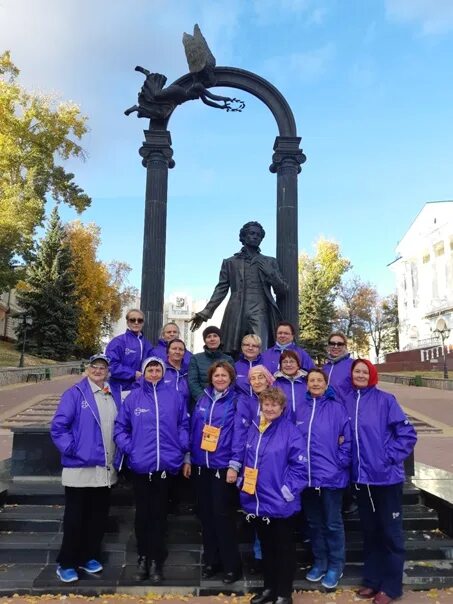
(426, 258)
(439, 248)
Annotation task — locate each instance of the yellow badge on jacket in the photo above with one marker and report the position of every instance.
(250, 478)
(210, 438)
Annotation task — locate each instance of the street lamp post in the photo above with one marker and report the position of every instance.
(26, 322)
(442, 331)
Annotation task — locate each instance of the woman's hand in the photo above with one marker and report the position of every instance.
(231, 475)
(186, 470)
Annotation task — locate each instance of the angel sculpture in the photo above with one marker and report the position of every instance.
(155, 101)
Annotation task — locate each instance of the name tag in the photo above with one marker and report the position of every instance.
(210, 438)
(250, 478)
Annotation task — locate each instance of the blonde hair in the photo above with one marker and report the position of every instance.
(254, 338)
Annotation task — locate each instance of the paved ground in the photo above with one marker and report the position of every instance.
(433, 596)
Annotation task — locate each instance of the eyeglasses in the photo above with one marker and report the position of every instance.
(250, 345)
(134, 320)
(98, 367)
(337, 344)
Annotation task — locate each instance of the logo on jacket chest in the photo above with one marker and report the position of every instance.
(139, 410)
(84, 405)
(129, 351)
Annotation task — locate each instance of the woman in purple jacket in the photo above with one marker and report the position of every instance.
(273, 475)
(211, 436)
(382, 439)
(292, 380)
(152, 431)
(249, 357)
(324, 423)
(82, 430)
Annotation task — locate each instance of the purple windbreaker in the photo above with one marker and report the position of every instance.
(160, 350)
(243, 367)
(126, 353)
(382, 436)
(271, 358)
(295, 391)
(247, 411)
(178, 380)
(76, 428)
(338, 372)
(219, 413)
(322, 421)
(280, 456)
(152, 428)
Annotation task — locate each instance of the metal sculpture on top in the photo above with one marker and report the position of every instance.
(157, 102)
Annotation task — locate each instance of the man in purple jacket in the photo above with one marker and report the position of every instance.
(126, 353)
(284, 340)
(82, 430)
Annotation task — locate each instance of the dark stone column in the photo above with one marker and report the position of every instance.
(286, 162)
(157, 159)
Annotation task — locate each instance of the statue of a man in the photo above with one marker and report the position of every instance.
(251, 307)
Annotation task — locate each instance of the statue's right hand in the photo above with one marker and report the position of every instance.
(196, 321)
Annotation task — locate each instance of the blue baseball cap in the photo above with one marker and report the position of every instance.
(99, 357)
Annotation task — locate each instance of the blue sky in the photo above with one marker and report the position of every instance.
(369, 82)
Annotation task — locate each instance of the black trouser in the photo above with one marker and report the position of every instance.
(151, 501)
(216, 509)
(85, 517)
(381, 519)
(278, 547)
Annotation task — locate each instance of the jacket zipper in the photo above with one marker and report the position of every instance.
(254, 466)
(330, 374)
(309, 441)
(356, 427)
(292, 393)
(210, 421)
(157, 429)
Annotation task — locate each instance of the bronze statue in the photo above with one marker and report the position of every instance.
(252, 307)
(155, 101)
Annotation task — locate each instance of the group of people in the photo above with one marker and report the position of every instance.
(270, 426)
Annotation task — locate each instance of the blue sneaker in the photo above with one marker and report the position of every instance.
(331, 579)
(67, 575)
(315, 574)
(92, 566)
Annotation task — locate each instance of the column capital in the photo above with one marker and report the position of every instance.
(287, 153)
(157, 147)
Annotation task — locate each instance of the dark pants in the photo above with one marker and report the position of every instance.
(383, 539)
(151, 501)
(323, 512)
(278, 548)
(216, 501)
(85, 517)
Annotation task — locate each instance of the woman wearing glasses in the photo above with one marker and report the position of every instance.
(338, 366)
(126, 353)
(249, 357)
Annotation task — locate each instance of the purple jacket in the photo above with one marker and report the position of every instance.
(220, 414)
(271, 357)
(126, 353)
(322, 421)
(338, 372)
(178, 380)
(247, 411)
(295, 391)
(280, 456)
(243, 367)
(382, 436)
(160, 350)
(76, 428)
(152, 428)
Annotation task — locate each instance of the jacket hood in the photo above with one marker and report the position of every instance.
(301, 373)
(328, 394)
(373, 379)
(147, 361)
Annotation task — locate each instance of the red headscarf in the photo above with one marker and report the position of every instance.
(373, 379)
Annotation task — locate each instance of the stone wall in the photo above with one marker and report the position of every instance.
(16, 375)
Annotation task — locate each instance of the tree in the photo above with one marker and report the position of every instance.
(47, 296)
(34, 132)
(99, 288)
(319, 279)
(357, 303)
(390, 310)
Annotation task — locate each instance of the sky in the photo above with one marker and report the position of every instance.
(369, 82)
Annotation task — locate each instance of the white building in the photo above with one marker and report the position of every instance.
(8, 315)
(424, 276)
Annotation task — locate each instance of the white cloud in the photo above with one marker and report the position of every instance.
(433, 16)
(300, 66)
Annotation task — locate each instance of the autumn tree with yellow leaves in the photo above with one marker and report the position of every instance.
(100, 290)
(36, 134)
